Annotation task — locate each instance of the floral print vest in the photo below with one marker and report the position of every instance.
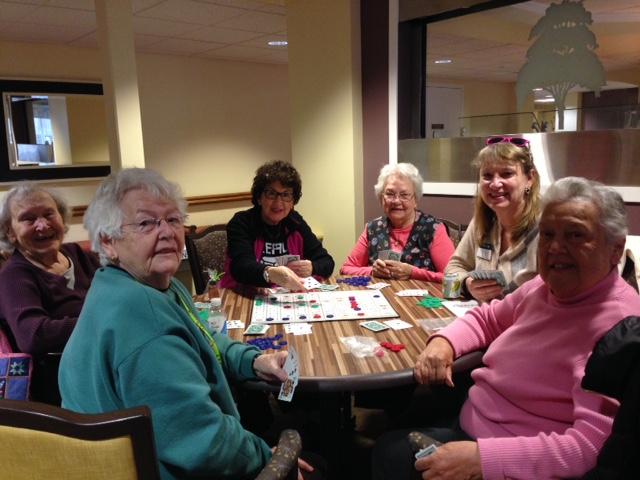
(416, 250)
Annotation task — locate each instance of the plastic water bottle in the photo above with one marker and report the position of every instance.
(217, 319)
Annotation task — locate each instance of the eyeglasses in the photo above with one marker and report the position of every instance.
(517, 141)
(271, 194)
(148, 225)
(402, 196)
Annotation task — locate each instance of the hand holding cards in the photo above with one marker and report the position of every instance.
(288, 387)
(389, 255)
(496, 275)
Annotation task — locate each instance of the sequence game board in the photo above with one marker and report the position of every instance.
(320, 306)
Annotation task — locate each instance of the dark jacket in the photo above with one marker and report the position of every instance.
(614, 370)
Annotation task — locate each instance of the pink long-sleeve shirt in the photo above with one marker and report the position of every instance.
(440, 250)
(526, 409)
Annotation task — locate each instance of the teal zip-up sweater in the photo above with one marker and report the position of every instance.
(135, 345)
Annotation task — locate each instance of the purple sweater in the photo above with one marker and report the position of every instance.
(526, 407)
(37, 306)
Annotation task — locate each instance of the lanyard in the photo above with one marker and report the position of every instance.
(204, 331)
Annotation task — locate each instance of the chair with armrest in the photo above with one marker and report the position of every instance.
(39, 441)
(284, 462)
(206, 249)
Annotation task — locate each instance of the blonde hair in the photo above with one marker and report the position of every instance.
(501, 153)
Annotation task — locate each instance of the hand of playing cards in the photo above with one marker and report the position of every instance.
(389, 255)
(290, 366)
(496, 275)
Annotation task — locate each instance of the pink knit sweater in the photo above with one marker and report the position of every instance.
(526, 408)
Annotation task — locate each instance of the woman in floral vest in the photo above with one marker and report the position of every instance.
(405, 242)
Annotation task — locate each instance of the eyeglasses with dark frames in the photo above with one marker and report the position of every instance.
(148, 225)
(517, 141)
(271, 194)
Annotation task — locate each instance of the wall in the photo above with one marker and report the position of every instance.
(207, 124)
(326, 118)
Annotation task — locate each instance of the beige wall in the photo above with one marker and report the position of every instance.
(87, 129)
(207, 124)
(326, 126)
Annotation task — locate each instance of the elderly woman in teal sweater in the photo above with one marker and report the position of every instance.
(138, 340)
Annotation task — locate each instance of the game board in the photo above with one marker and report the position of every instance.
(321, 306)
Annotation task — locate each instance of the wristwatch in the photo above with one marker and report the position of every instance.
(265, 274)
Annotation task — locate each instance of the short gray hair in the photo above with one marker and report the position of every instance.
(406, 170)
(613, 215)
(20, 192)
(104, 217)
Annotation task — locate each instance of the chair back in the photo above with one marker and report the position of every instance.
(39, 441)
(454, 230)
(206, 249)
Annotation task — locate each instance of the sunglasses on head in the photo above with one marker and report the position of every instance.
(517, 141)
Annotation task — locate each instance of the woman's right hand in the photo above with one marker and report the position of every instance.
(434, 363)
(285, 277)
(380, 269)
(483, 290)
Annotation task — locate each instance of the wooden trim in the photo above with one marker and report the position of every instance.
(79, 210)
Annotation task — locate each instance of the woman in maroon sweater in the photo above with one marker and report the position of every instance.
(43, 284)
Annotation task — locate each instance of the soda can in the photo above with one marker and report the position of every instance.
(451, 286)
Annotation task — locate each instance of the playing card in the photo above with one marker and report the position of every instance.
(425, 452)
(397, 324)
(288, 387)
(286, 259)
(234, 324)
(310, 283)
(412, 293)
(378, 286)
(384, 254)
(301, 328)
(374, 326)
(394, 256)
(255, 329)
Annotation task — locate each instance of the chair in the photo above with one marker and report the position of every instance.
(454, 230)
(206, 249)
(284, 462)
(39, 441)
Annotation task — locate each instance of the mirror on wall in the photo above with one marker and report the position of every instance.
(52, 130)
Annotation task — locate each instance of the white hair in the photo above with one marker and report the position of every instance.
(405, 170)
(104, 217)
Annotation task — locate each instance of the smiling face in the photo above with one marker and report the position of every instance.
(573, 251)
(274, 210)
(400, 212)
(503, 185)
(37, 228)
(154, 257)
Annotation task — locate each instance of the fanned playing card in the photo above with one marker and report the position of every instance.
(290, 366)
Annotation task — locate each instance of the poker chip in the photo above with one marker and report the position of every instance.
(355, 281)
(268, 343)
(394, 347)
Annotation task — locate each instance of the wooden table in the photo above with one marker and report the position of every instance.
(325, 363)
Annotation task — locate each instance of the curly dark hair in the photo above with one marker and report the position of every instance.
(276, 171)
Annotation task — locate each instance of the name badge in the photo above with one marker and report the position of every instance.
(484, 252)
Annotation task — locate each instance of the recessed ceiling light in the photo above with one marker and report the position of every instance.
(544, 100)
(277, 43)
(444, 60)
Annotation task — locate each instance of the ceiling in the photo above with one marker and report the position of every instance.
(231, 29)
(489, 46)
(492, 45)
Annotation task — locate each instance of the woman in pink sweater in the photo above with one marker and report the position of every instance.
(404, 243)
(526, 415)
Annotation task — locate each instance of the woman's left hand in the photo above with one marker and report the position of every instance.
(399, 270)
(269, 366)
(302, 268)
(452, 461)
